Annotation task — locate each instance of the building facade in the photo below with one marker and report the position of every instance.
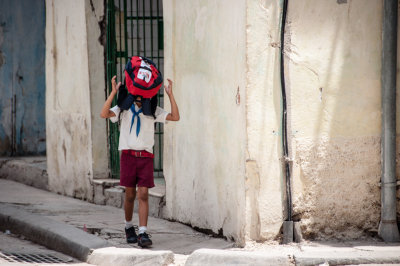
(223, 162)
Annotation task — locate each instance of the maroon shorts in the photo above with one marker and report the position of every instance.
(136, 171)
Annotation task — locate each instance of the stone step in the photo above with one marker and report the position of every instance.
(31, 171)
(108, 192)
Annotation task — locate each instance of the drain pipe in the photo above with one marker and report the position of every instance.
(288, 223)
(388, 229)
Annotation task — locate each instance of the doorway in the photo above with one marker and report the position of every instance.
(134, 28)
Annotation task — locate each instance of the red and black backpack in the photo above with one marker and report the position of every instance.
(142, 78)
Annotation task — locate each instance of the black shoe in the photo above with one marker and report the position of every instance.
(144, 240)
(131, 236)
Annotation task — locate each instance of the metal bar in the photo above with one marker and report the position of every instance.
(131, 28)
(144, 29)
(137, 28)
(125, 38)
(120, 31)
(142, 17)
(151, 28)
(160, 133)
(111, 71)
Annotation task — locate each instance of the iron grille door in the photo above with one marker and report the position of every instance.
(134, 27)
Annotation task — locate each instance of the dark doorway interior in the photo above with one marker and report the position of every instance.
(134, 28)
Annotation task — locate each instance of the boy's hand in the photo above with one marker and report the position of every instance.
(168, 88)
(115, 86)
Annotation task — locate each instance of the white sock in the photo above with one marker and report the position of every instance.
(142, 229)
(128, 224)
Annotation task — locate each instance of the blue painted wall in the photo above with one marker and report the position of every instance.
(22, 77)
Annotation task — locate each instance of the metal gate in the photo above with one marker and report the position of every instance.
(134, 27)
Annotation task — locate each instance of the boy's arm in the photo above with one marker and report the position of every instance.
(174, 115)
(105, 111)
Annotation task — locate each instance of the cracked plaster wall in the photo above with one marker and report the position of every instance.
(334, 79)
(68, 106)
(333, 64)
(263, 173)
(95, 28)
(204, 153)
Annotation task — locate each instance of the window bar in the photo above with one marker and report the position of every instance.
(137, 29)
(144, 29)
(125, 39)
(120, 35)
(158, 34)
(152, 58)
(131, 22)
(151, 29)
(160, 94)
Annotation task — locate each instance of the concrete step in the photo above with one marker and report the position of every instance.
(31, 171)
(108, 192)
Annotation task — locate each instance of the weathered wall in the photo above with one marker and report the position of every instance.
(96, 41)
(333, 70)
(22, 78)
(204, 153)
(68, 109)
(263, 169)
(332, 73)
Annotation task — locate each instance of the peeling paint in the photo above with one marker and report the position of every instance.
(337, 181)
(253, 222)
(22, 75)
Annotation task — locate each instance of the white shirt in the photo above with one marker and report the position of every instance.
(145, 140)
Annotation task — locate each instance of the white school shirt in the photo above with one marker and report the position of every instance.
(145, 140)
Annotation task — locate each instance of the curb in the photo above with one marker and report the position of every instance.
(129, 256)
(52, 234)
(75, 242)
(211, 257)
(204, 257)
(346, 258)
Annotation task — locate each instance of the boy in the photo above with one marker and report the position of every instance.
(136, 142)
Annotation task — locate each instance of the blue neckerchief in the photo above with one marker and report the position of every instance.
(133, 119)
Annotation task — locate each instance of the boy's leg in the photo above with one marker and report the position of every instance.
(130, 193)
(130, 231)
(143, 197)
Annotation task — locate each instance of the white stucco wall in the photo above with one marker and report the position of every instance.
(96, 47)
(204, 153)
(264, 188)
(68, 119)
(333, 63)
(334, 73)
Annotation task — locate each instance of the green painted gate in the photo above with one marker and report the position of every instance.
(134, 27)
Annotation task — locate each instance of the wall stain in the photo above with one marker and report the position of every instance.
(2, 59)
(91, 4)
(65, 152)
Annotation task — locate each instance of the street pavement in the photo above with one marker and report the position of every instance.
(94, 234)
(16, 249)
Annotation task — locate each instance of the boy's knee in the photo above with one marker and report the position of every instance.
(129, 198)
(143, 196)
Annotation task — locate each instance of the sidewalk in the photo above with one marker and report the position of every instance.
(59, 222)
